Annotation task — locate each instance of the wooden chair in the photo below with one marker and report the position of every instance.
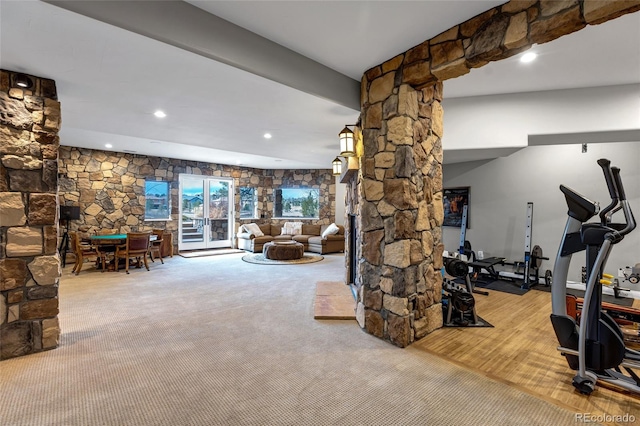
(82, 251)
(137, 247)
(106, 251)
(156, 245)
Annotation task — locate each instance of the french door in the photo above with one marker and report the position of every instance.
(206, 212)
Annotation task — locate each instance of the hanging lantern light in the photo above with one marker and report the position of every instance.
(346, 143)
(337, 166)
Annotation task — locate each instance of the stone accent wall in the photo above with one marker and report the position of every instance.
(109, 188)
(29, 262)
(398, 192)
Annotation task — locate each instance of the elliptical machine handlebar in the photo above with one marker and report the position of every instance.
(615, 172)
(626, 208)
(606, 213)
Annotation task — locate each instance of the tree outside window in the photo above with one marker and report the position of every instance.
(248, 203)
(157, 206)
(297, 203)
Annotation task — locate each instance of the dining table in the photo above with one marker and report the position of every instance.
(114, 239)
(108, 242)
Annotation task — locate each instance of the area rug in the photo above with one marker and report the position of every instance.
(201, 253)
(259, 259)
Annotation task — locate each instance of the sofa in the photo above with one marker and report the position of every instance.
(311, 237)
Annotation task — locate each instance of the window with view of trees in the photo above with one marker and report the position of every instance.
(157, 200)
(248, 203)
(297, 203)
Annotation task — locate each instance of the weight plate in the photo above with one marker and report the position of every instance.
(536, 256)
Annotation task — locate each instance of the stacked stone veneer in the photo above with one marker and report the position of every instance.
(109, 188)
(400, 212)
(398, 192)
(29, 263)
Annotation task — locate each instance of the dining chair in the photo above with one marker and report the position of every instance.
(106, 250)
(156, 245)
(82, 251)
(137, 247)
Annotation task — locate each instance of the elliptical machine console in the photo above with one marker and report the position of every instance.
(596, 347)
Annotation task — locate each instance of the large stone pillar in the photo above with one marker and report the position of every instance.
(401, 210)
(29, 262)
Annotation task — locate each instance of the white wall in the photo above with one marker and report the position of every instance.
(507, 120)
(501, 188)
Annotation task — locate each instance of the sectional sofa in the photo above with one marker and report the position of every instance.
(311, 237)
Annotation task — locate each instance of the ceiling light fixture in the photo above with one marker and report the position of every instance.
(160, 114)
(108, 145)
(23, 80)
(528, 57)
(337, 166)
(267, 135)
(346, 142)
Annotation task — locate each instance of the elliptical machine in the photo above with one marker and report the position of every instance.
(596, 348)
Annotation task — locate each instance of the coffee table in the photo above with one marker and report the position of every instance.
(283, 250)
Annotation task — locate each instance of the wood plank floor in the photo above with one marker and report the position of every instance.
(521, 350)
(333, 301)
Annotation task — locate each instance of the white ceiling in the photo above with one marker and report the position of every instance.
(111, 80)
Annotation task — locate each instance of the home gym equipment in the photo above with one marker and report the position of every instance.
(533, 257)
(596, 348)
(527, 248)
(532, 278)
(465, 246)
(632, 274)
(458, 300)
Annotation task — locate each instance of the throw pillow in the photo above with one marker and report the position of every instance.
(292, 228)
(286, 229)
(331, 230)
(254, 229)
(296, 228)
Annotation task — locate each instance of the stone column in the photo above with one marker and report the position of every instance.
(401, 211)
(29, 261)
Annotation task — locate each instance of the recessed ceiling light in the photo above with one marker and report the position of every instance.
(528, 57)
(108, 145)
(267, 135)
(160, 114)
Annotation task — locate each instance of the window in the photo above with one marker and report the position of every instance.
(296, 203)
(248, 203)
(157, 200)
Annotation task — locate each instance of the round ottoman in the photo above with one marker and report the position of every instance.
(283, 250)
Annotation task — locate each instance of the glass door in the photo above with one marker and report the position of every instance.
(206, 212)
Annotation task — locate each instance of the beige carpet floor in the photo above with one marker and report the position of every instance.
(218, 341)
(213, 252)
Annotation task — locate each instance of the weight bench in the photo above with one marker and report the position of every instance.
(488, 265)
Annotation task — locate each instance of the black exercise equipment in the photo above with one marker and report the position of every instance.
(465, 246)
(596, 348)
(458, 301)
